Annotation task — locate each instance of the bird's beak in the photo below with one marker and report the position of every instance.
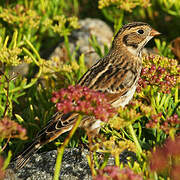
(154, 33)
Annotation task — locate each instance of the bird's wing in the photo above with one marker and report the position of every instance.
(112, 79)
(58, 124)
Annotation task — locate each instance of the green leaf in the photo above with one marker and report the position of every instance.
(7, 160)
(19, 118)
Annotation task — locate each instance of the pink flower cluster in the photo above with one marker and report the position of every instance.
(114, 173)
(171, 122)
(83, 100)
(166, 158)
(157, 76)
(165, 125)
(155, 119)
(9, 128)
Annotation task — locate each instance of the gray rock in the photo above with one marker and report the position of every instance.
(41, 167)
(80, 38)
(74, 165)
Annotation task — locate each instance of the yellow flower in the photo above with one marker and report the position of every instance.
(74, 65)
(10, 56)
(126, 5)
(125, 116)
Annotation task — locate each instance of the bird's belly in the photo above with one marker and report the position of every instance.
(123, 100)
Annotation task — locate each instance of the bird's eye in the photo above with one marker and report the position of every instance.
(140, 31)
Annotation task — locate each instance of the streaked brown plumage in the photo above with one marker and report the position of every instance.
(116, 75)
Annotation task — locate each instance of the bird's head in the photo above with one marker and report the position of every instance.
(134, 37)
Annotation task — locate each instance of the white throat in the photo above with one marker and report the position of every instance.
(137, 51)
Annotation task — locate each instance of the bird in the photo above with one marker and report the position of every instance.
(116, 75)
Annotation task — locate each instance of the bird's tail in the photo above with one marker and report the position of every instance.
(23, 158)
(51, 131)
(59, 124)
